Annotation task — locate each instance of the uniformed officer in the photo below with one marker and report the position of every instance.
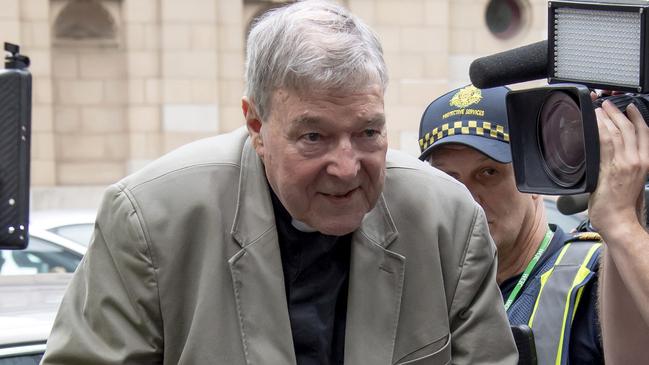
(548, 278)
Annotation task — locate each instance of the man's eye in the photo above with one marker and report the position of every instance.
(312, 137)
(488, 172)
(370, 133)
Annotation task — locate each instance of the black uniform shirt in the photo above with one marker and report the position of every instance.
(316, 276)
(585, 340)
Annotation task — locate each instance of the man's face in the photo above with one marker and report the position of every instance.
(324, 154)
(493, 186)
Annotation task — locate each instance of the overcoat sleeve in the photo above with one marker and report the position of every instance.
(110, 313)
(480, 332)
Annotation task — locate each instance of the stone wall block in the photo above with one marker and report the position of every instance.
(177, 91)
(176, 37)
(43, 172)
(10, 30)
(108, 65)
(204, 36)
(65, 65)
(230, 92)
(364, 9)
(9, 9)
(42, 146)
(228, 11)
(67, 119)
(436, 12)
(205, 91)
(135, 36)
(140, 11)
(231, 118)
(400, 12)
(191, 10)
(231, 65)
(35, 34)
(40, 65)
(171, 141)
(117, 147)
(89, 173)
(79, 92)
(42, 118)
(153, 91)
(144, 119)
(190, 64)
(116, 92)
(231, 38)
(145, 145)
(143, 64)
(101, 120)
(80, 147)
(419, 93)
(42, 91)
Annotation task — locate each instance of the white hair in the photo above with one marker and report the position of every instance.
(310, 45)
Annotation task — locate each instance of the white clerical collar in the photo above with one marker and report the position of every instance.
(301, 226)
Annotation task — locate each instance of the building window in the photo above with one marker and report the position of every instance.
(85, 21)
(505, 17)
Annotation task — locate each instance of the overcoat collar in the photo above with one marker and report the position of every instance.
(375, 285)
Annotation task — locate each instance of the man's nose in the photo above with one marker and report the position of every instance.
(344, 161)
(475, 191)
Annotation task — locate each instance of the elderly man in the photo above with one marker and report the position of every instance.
(292, 241)
(546, 276)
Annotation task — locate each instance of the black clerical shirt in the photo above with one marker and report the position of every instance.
(316, 276)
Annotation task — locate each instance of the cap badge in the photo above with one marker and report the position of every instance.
(466, 96)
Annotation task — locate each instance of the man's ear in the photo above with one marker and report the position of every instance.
(253, 123)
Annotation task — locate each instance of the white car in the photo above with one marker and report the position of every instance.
(74, 225)
(32, 283)
(46, 253)
(28, 306)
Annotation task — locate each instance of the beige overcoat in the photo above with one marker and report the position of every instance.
(185, 268)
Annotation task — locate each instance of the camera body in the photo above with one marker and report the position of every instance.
(553, 129)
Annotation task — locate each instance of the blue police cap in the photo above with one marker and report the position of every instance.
(469, 116)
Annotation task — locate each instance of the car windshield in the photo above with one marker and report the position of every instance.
(80, 233)
(39, 257)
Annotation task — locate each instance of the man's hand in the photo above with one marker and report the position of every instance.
(624, 164)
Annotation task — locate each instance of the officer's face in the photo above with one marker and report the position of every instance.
(493, 186)
(324, 154)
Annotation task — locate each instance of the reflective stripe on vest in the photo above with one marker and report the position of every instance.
(555, 306)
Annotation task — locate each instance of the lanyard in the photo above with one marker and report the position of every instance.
(529, 268)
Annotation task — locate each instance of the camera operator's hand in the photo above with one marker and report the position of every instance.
(616, 204)
(615, 211)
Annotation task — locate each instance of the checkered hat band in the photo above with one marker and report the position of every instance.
(465, 127)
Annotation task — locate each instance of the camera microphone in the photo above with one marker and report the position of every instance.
(526, 63)
(571, 204)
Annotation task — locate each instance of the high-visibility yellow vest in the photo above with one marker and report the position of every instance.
(561, 285)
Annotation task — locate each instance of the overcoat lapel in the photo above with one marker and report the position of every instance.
(375, 284)
(375, 288)
(257, 271)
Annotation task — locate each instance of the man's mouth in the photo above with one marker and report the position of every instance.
(340, 195)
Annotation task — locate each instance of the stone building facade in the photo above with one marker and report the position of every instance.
(117, 83)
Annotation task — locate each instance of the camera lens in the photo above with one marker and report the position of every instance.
(561, 139)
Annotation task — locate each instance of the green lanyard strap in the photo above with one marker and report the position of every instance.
(529, 268)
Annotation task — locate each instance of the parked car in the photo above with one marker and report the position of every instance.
(74, 225)
(28, 306)
(45, 253)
